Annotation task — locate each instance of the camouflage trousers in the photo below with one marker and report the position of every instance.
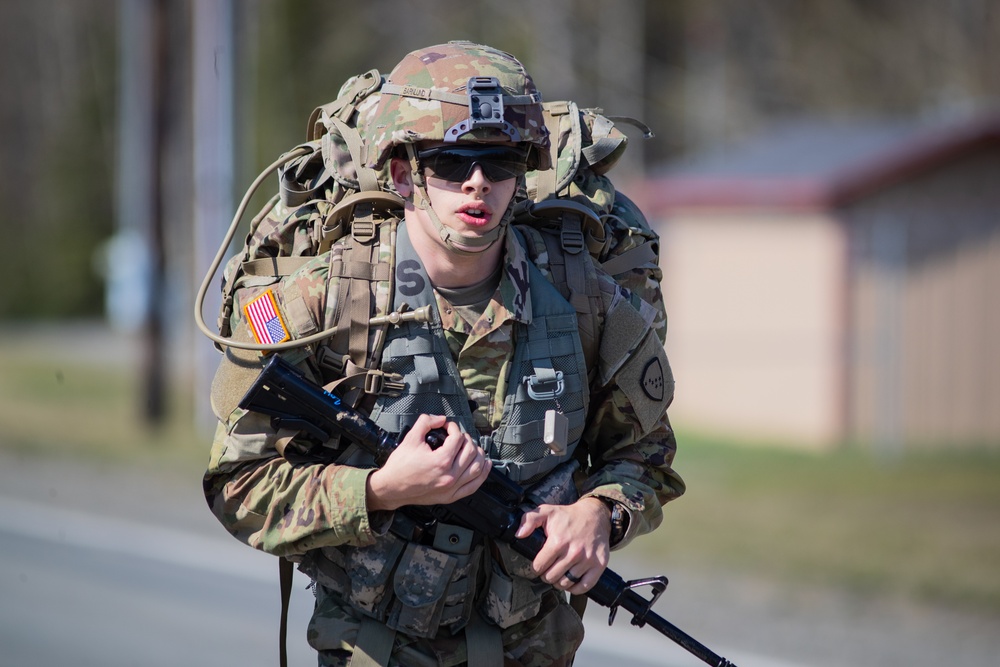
(550, 639)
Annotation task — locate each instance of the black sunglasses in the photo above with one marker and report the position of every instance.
(456, 163)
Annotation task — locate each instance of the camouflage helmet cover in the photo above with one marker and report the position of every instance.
(426, 96)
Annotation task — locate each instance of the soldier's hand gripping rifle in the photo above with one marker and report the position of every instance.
(494, 510)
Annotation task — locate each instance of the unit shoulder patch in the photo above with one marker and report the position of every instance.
(652, 379)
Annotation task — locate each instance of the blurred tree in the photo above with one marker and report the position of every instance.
(708, 71)
(57, 169)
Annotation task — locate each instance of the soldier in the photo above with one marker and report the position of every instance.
(456, 128)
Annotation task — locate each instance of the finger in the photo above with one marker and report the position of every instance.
(453, 443)
(588, 580)
(556, 574)
(468, 487)
(418, 432)
(529, 522)
(466, 454)
(570, 579)
(578, 584)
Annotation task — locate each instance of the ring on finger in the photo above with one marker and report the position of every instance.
(575, 580)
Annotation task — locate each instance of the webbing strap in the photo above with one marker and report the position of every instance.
(367, 177)
(576, 271)
(374, 644)
(285, 573)
(484, 643)
(274, 266)
(603, 144)
(360, 312)
(354, 299)
(546, 180)
(631, 259)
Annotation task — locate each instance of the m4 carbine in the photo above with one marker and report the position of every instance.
(494, 510)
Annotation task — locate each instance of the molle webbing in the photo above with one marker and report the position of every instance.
(419, 352)
(365, 290)
(548, 372)
(571, 272)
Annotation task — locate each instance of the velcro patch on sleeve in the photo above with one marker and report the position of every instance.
(648, 382)
(624, 329)
(265, 321)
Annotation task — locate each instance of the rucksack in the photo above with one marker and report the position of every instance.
(571, 216)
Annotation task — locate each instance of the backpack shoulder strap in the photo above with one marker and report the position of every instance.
(560, 239)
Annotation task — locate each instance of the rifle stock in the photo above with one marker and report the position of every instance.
(494, 510)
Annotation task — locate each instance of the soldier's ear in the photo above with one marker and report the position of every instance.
(399, 169)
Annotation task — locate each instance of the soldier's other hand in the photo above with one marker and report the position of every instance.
(415, 474)
(577, 539)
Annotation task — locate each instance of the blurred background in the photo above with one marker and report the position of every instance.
(825, 179)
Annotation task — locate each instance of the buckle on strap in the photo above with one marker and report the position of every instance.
(544, 390)
(572, 240)
(379, 383)
(331, 362)
(363, 231)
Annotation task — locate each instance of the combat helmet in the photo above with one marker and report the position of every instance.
(456, 92)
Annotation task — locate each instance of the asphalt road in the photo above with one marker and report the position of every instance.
(106, 567)
(83, 589)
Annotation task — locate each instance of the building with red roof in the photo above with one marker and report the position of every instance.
(835, 282)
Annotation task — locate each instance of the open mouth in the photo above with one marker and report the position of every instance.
(474, 215)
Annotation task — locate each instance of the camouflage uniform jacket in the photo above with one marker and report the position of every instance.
(289, 510)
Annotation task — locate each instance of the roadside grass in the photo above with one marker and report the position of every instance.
(924, 525)
(54, 404)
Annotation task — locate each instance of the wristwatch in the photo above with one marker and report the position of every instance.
(619, 520)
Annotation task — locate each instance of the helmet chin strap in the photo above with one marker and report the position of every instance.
(460, 243)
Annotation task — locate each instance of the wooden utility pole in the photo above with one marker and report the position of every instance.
(140, 264)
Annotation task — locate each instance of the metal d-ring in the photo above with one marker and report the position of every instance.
(533, 383)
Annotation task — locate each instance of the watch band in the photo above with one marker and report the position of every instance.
(619, 520)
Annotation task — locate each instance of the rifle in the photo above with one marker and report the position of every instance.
(494, 510)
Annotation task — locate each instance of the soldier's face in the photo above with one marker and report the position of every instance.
(473, 205)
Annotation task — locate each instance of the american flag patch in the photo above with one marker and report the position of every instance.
(265, 320)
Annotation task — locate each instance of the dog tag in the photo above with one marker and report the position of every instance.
(556, 431)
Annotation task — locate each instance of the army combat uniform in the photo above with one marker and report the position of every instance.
(436, 595)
